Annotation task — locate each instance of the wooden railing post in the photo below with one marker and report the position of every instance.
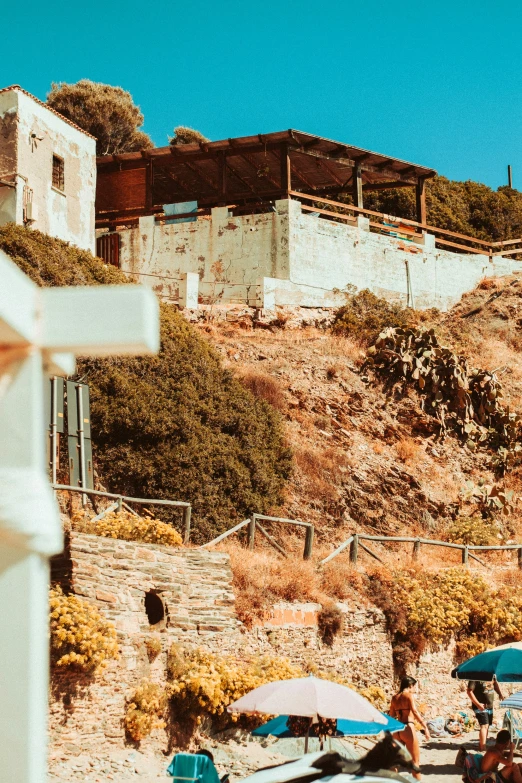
(465, 553)
(309, 542)
(416, 549)
(354, 549)
(520, 558)
(252, 532)
(119, 501)
(187, 514)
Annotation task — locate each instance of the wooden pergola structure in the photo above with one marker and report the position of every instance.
(249, 171)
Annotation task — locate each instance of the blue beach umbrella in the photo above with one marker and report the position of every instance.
(513, 702)
(504, 663)
(345, 728)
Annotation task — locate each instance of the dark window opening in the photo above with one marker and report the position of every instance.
(58, 173)
(154, 608)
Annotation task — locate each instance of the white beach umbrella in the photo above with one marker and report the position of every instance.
(310, 697)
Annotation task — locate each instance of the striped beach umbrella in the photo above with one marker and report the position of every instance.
(513, 702)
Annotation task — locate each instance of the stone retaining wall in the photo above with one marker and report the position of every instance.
(195, 591)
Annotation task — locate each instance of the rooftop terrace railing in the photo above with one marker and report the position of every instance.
(410, 232)
(405, 229)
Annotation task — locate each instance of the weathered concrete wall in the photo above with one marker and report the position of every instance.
(292, 258)
(329, 255)
(229, 254)
(196, 588)
(40, 134)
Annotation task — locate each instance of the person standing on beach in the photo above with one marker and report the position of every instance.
(482, 695)
(403, 708)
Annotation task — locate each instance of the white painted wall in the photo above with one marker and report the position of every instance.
(291, 258)
(231, 255)
(68, 215)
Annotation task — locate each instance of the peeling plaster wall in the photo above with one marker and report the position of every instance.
(291, 258)
(68, 215)
(325, 256)
(230, 254)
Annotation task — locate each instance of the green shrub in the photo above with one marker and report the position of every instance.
(180, 426)
(177, 425)
(365, 315)
(49, 261)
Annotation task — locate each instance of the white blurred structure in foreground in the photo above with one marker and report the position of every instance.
(41, 331)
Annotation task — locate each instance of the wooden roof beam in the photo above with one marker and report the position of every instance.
(248, 159)
(243, 181)
(375, 169)
(180, 184)
(203, 177)
(388, 185)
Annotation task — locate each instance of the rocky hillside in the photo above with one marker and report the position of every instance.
(363, 461)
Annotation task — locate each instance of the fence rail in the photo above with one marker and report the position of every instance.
(122, 500)
(406, 229)
(254, 524)
(467, 550)
(354, 542)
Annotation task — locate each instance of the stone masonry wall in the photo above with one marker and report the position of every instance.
(195, 588)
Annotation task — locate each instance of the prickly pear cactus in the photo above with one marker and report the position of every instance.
(461, 398)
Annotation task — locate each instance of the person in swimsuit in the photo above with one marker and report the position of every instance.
(404, 709)
(502, 754)
(482, 695)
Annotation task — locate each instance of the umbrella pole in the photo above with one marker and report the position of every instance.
(306, 739)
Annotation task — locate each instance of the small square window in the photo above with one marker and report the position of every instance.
(58, 173)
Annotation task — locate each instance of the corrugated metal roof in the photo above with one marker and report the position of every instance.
(30, 95)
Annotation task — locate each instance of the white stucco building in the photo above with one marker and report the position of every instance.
(253, 221)
(47, 170)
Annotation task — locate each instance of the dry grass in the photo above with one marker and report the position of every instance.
(341, 580)
(264, 386)
(407, 450)
(488, 283)
(261, 579)
(323, 471)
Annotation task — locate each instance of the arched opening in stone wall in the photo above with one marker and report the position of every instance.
(154, 608)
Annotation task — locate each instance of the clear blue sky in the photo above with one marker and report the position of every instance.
(433, 82)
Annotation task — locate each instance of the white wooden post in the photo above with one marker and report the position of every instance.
(41, 330)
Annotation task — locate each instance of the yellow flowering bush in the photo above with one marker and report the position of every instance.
(129, 527)
(153, 647)
(471, 530)
(425, 610)
(80, 635)
(145, 710)
(203, 683)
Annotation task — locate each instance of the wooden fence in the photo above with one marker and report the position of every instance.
(407, 230)
(254, 524)
(467, 550)
(124, 500)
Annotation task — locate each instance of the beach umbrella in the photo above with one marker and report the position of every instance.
(277, 727)
(513, 702)
(504, 663)
(310, 697)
